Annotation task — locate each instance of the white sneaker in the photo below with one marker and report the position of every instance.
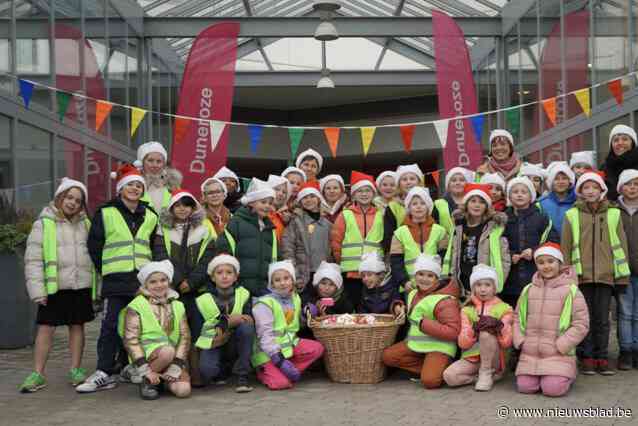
(96, 382)
(129, 375)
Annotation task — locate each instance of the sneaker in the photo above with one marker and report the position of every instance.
(129, 375)
(242, 385)
(33, 383)
(148, 391)
(96, 382)
(603, 368)
(77, 376)
(625, 361)
(588, 366)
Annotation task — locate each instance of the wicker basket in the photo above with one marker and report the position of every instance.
(353, 353)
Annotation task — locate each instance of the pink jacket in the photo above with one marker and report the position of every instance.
(543, 351)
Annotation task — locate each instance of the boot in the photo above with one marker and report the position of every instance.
(148, 391)
(485, 380)
(624, 361)
(489, 359)
(193, 363)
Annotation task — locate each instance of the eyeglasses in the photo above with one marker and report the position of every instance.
(215, 192)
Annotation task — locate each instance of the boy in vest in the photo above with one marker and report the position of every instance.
(593, 240)
(160, 179)
(357, 230)
(434, 321)
(536, 174)
(228, 329)
(279, 355)
(452, 198)
(156, 334)
(119, 245)
(486, 332)
(582, 162)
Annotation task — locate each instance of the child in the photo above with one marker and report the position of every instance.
(536, 174)
(327, 297)
(228, 329)
(560, 183)
(233, 188)
(486, 332)
(311, 162)
(435, 322)
(379, 295)
(280, 215)
(418, 234)
(160, 180)
(628, 301)
(250, 237)
(455, 181)
(296, 177)
(156, 334)
(63, 291)
(333, 190)
(478, 238)
(408, 177)
(550, 320)
(594, 240)
(306, 240)
(214, 193)
(388, 187)
(357, 230)
(279, 355)
(497, 193)
(119, 244)
(582, 162)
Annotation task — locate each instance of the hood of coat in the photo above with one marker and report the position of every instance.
(415, 227)
(447, 287)
(341, 202)
(603, 206)
(167, 218)
(566, 276)
(170, 296)
(52, 212)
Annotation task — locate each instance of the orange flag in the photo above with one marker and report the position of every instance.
(436, 175)
(180, 127)
(102, 110)
(615, 87)
(407, 133)
(549, 105)
(332, 135)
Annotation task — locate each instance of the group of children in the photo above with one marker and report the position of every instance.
(201, 289)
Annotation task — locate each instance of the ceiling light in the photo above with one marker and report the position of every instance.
(326, 31)
(325, 82)
(326, 6)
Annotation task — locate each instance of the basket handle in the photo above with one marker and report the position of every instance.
(308, 316)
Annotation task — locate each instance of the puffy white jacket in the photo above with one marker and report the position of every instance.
(74, 263)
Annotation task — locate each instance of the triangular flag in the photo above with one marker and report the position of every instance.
(441, 130)
(137, 115)
(513, 118)
(180, 128)
(63, 99)
(245, 183)
(26, 91)
(255, 137)
(477, 125)
(615, 87)
(582, 96)
(367, 134)
(549, 105)
(436, 175)
(407, 133)
(102, 110)
(216, 131)
(332, 135)
(295, 134)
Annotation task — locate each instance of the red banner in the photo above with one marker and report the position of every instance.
(207, 94)
(456, 92)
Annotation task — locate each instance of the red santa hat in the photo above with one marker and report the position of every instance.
(309, 188)
(478, 189)
(549, 249)
(358, 180)
(178, 194)
(127, 173)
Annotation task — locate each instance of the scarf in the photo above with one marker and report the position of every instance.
(615, 164)
(163, 300)
(314, 215)
(507, 168)
(156, 181)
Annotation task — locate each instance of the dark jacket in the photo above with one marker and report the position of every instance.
(381, 299)
(523, 231)
(253, 249)
(614, 166)
(232, 201)
(342, 305)
(116, 284)
(630, 223)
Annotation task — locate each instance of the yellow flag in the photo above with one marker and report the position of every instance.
(367, 134)
(137, 115)
(582, 96)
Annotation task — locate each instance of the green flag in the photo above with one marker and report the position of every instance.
(513, 118)
(295, 135)
(63, 99)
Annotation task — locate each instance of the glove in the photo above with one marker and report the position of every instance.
(489, 324)
(286, 367)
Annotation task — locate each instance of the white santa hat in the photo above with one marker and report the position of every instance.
(410, 168)
(550, 249)
(297, 170)
(621, 129)
(483, 272)
(425, 262)
(332, 271)
(178, 194)
(226, 173)
(284, 265)
(626, 176)
(556, 168)
(524, 180)
(222, 259)
(68, 183)
(275, 180)
(594, 177)
(310, 153)
(165, 267)
(383, 175)
(493, 179)
(504, 133)
(147, 148)
(257, 190)
(127, 173)
(371, 262)
(467, 174)
(214, 180)
(324, 181)
(529, 169)
(582, 157)
(422, 193)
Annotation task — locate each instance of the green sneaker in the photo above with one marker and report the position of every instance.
(33, 383)
(77, 376)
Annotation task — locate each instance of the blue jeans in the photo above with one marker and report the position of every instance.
(238, 349)
(628, 317)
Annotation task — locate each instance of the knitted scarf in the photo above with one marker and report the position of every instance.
(507, 168)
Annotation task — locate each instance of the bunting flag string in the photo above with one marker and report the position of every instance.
(436, 175)
(295, 134)
(102, 110)
(615, 87)
(441, 130)
(26, 91)
(332, 135)
(367, 134)
(407, 134)
(582, 96)
(180, 128)
(216, 131)
(63, 99)
(137, 115)
(513, 119)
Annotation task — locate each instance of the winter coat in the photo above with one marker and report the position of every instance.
(630, 223)
(595, 247)
(556, 209)
(306, 250)
(524, 230)
(233, 201)
(486, 168)
(254, 244)
(119, 283)
(614, 166)
(447, 323)
(169, 180)
(74, 263)
(381, 299)
(543, 351)
(332, 213)
(185, 257)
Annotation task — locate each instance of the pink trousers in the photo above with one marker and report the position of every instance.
(549, 385)
(305, 353)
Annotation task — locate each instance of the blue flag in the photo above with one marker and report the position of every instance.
(26, 91)
(477, 125)
(255, 137)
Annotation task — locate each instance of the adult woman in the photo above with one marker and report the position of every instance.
(217, 214)
(502, 158)
(622, 155)
(160, 179)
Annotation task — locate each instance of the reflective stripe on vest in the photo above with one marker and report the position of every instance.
(210, 312)
(445, 218)
(565, 319)
(412, 250)
(418, 341)
(153, 335)
(496, 260)
(548, 229)
(398, 210)
(211, 228)
(166, 199)
(233, 244)
(202, 248)
(122, 252)
(621, 267)
(495, 311)
(285, 334)
(354, 245)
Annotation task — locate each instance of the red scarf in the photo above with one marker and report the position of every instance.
(507, 168)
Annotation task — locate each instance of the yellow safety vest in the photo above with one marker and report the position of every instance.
(445, 218)
(211, 228)
(202, 247)
(419, 341)
(398, 210)
(497, 311)
(354, 245)
(285, 333)
(412, 250)
(210, 312)
(166, 199)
